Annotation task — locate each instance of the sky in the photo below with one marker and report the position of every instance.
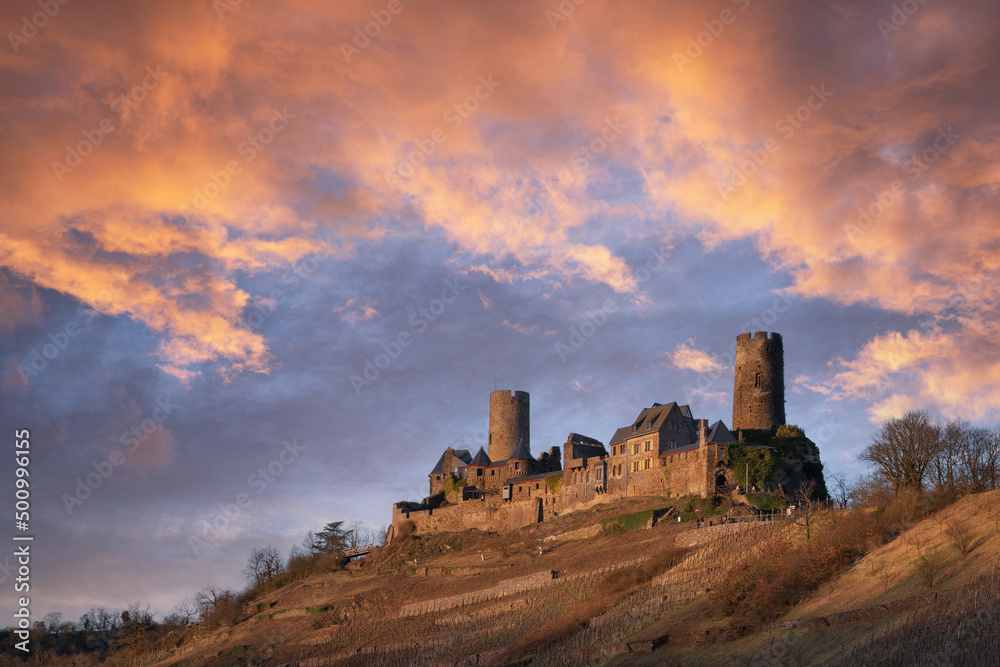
(260, 262)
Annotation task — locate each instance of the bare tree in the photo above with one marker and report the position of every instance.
(903, 448)
(839, 488)
(263, 565)
(871, 490)
(184, 613)
(208, 599)
(946, 470)
(806, 509)
(53, 621)
(978, 460)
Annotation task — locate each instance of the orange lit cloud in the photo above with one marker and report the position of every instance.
(498, 134)
(687, 357)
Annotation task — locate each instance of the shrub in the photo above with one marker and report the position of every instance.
(765, 581)
(633, 521)
(961, 536)
(756, 460)
(765, 502)
(554, 483)
(929, 566)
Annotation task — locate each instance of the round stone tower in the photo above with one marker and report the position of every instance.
(759, 391)
(509, 423)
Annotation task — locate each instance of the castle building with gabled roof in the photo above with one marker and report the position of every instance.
(664, 451)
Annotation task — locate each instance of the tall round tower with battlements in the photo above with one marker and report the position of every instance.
(509, 423)
(759, 390)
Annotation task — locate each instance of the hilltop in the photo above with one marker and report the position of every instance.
(625, 583)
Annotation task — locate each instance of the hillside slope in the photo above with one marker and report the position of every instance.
(575, 592)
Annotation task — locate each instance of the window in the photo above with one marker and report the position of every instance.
(635, 448)
(493, 472)
(600, 473)
(756, 381)
(479, 472)
(517, 466)
(649, 424)
(722, 451)
(648, 461)
(536, 485)
(649, 445)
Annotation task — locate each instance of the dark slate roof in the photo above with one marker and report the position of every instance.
(641, 425)
(520, 453)
(460, 454)
(480, 459)
(530, 478)
(720, 434)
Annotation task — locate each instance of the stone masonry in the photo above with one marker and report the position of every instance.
(510, 423)
(759, 388)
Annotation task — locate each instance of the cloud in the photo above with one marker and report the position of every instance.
(520, 328)
(687, 357)
(865, 171)
(19, 304)
(353, 313)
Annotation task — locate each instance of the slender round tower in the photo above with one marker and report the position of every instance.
(759, 391)
(509, 423)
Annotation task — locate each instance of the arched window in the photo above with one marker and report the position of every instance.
(756, 381)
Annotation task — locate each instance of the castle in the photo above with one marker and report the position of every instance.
(664, 451)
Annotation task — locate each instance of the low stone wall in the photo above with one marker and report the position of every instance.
(503, 589)
(510, 587)
(483, 515)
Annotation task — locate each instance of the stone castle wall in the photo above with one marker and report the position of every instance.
(759, 387)
(487, 514)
